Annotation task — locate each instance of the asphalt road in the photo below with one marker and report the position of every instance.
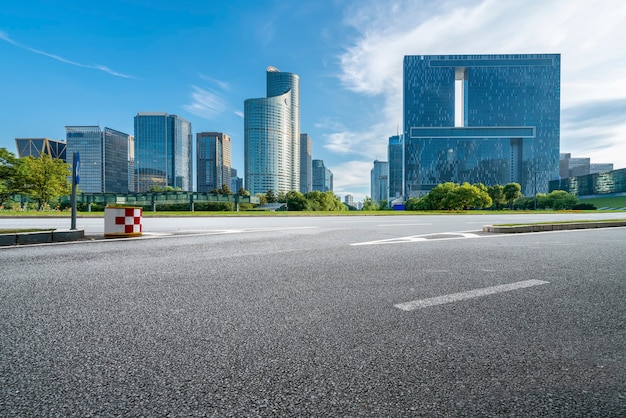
(364, 316)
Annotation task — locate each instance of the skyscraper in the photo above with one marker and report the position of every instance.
(213, 156)
(492, 119)
(163, 151)
(380, 181)
(104, 158)
(395, 156)
(322, 177)
(272, 135)
(306, 158)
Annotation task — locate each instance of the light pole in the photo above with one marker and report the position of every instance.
(535, 205)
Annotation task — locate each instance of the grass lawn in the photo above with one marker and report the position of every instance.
(607, 202)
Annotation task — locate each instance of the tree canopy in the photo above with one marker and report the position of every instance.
(43, 179)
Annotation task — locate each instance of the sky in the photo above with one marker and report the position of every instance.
(102, 62)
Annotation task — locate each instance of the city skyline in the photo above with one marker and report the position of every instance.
(107, 65)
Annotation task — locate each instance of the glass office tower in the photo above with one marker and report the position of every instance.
(163, 151)
(395, 156)
(213, 156)
(272, 136)
(492, 119)
(103, 158)
(379, 182)
(306, 159)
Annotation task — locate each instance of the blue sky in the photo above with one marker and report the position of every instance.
(102, 62)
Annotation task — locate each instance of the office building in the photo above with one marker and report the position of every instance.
(272, 136)
(322, 176)
(213, 156)
(492, 119)
(104, 158)
(306, 160)
(395, 157)
(236, 183)
(596, 184)
(34, 147)
(575, 167)
(163, 151)
(379, 183)
(349, 200)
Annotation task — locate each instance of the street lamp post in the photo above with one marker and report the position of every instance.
(535, 205)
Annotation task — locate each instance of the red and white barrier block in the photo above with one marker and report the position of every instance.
(122, 222)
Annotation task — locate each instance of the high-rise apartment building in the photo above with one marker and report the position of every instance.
(322, 176)
(272, 135)
(306, 159)
(163, 151)
(395, 156)
(379, 182)
(213, 156)
(35, 147)
(492, 119)
(104, 158)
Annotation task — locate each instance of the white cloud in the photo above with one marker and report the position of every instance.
(348, 178)
(205, 103)
(588, 35)
(98, 67)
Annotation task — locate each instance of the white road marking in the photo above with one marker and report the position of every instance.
(422, 224)
(421, 238)
(455, 297)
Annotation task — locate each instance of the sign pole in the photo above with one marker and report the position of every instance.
(75, 181)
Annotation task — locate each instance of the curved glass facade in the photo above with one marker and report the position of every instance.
(272, 136)
(492, 119)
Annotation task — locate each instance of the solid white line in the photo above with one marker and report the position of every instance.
(455, 297)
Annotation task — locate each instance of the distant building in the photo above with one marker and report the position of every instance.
(236, 183)
(34, 147)
(213, 156)
(104, 158)
(600, 167)
(575, 167)
(322, 176)
(349, 200)
(603, 183)
(395, 156)
(163, 151)
(380, 182)
(306, 161)
(492, 119)
(272, 136)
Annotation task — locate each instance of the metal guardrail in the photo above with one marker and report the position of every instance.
(163, 198)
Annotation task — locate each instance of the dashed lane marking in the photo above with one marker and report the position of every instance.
(455, 297)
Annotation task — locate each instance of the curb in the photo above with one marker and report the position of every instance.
(551, 227)
(58, 235)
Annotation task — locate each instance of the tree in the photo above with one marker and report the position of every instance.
(243, 192)
(496, 193)
(44, 179)
(323, 201)
(225, 189)
(512, 191)
(560, 200)
(296, 201)
(271, 196)
(9, 183)
(369, 204)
